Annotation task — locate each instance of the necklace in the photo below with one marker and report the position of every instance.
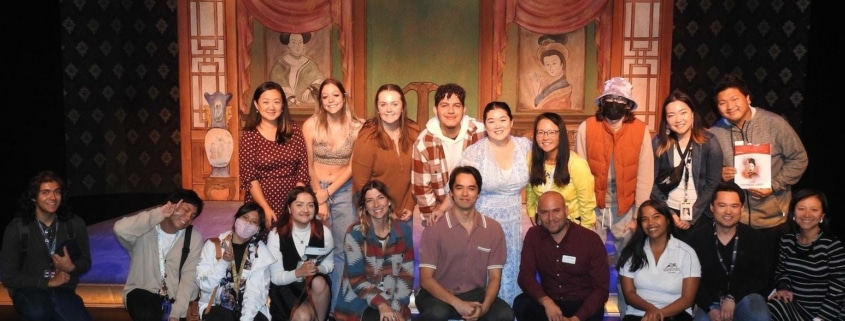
(811, 241)
(300, 238)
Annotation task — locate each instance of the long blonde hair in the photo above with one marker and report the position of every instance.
(349, 119)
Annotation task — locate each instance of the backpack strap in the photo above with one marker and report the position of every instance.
(217, 254)
(23, 231)
(186, 248)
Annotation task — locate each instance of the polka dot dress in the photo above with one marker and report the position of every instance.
(276, 167)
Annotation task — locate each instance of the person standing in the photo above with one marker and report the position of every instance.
(553, 167)
(461, 282)
(735, 269)
(683, 134)
(272, 153)
(617, 146)
(162, 276)
(742, 124)
(45, 250)
(379, 276)
(438, 149)
(810, 273)
(571, 262)
(500, 158)
(387, 136)
(235, 283)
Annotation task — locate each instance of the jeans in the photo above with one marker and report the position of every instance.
(59, 303)
(752, 307)
(341, 214)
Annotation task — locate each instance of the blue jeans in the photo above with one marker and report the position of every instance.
(752, 307)
(60, 303)
(341, 214)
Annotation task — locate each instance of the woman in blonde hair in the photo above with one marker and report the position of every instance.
(329, 136)
(379, 274)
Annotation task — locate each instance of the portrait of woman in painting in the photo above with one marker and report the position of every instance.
(552, 90)
(299, 75)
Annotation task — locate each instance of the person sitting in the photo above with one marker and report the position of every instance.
(234, 285)
(659, 273)
(810, 273)
(735, 269)
(573, 287)
(301, 287)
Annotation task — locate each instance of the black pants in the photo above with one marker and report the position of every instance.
(526, 308)
(683, 316)
(218, 313)
(144, 305)
(433, 309)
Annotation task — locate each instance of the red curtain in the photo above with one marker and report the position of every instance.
(542, 16)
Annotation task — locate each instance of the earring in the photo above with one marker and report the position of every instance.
(793, 218)
(821, 220)
(668, 131)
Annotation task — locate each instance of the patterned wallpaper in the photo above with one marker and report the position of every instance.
(121, 96)
(764, 41)
(120, 69)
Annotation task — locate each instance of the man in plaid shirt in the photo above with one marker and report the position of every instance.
(438, 148)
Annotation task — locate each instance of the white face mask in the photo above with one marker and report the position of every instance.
(245, 229)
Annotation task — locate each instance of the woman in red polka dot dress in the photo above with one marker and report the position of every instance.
(272, 152)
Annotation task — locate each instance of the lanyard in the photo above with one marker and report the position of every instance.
(236, 273)
(49, 240)
(163, 249)
(728, 271)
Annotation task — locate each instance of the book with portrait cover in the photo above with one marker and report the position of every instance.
(753, 164)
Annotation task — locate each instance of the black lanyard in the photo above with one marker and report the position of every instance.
(50, 235)
(728, 271)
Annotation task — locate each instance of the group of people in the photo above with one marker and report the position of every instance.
(326, 229)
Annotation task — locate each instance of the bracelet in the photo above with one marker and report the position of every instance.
(729, 298)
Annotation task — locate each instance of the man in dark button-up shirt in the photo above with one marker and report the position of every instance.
(571, 262)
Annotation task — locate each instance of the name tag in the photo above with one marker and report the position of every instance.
(568, 259)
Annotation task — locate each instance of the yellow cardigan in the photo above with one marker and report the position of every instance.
(579, 194)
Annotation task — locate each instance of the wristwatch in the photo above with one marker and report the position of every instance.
(729, 297)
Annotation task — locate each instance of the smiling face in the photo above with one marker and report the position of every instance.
(48, 199)
(464, 192)
(377, 204)
(498, 124)
(450, 112)
(679, 117)
(269, 105)
(332, 99)
(727, 208)
(809, 213)
(653, 223)
(551, 209)
(546, 136)
(183, 216)
(390, 107)
(302, 209)
(733, 105)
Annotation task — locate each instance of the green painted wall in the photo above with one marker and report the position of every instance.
(433, 40)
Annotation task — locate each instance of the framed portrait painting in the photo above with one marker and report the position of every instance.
(299, 62)
(551, 71)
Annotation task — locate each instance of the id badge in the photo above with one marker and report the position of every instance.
(165, 309)
(49, 273)
(686, 211)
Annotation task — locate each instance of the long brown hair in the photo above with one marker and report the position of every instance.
(379, 135)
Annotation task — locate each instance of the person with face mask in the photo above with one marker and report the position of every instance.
(617, 147)
(234, 282)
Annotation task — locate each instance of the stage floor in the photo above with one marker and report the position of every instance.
(103, 284)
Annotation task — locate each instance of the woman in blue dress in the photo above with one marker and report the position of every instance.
(501, 159)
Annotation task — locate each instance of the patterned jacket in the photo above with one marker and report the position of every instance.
(430, 171)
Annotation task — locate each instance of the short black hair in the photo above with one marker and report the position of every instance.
(465, 170)
(186, 196)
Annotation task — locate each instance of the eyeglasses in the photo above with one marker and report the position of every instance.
(547, 132)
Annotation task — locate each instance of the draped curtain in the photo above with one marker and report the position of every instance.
(549, 17)
(295, 17)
